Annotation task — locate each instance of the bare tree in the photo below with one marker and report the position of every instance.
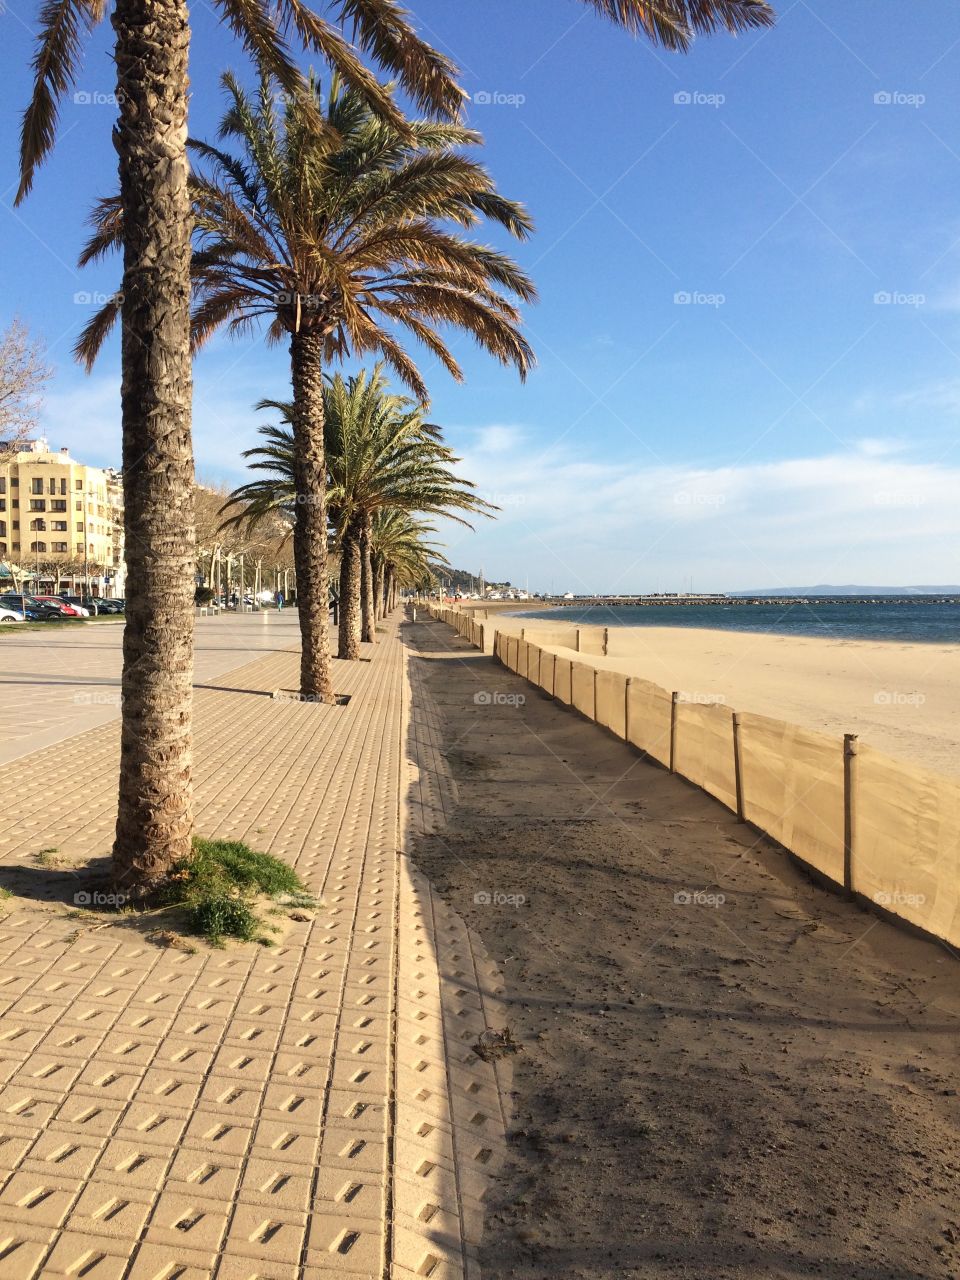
(23, 374)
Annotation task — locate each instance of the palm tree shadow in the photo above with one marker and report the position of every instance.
(88, 893)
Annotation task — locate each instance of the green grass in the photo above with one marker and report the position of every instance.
(219, 885)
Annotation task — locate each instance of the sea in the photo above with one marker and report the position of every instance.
(914, 619)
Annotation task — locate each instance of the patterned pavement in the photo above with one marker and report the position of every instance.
(310, 1109)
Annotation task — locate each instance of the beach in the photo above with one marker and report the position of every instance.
(903, 699)
(725, 1070)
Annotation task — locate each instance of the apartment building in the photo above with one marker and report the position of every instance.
(61, 522)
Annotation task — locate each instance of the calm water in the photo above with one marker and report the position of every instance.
(926, 623)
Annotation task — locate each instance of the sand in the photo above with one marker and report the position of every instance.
(757, 1084)
(903, 699)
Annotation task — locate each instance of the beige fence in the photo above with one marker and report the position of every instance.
(881, 828)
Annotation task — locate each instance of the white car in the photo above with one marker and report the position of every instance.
(10, 615)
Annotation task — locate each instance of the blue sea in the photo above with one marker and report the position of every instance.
(925, 623)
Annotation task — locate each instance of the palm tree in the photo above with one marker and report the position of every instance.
(154, 819)
(380, 454)
(402, 555)
(333, 236)
(675, 23)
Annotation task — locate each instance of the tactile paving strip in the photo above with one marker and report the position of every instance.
(450, 1108)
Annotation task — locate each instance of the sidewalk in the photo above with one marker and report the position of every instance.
(256, 1113)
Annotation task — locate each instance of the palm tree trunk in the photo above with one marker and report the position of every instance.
(310, 522)
(389, 605)
(155, 814)
(350, 560)
(368, 599)
(379, 610)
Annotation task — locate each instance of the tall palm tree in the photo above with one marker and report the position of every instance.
(380, 454)
(154, 819)
(335, 236)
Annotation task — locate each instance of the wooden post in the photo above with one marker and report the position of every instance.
(606, 641)
(626, 707)
(738, 766)
(851, 744)
(674, 704)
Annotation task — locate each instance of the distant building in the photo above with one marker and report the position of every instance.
(61, 522)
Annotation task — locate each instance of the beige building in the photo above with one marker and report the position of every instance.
(61, 523)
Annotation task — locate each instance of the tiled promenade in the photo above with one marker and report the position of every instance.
(284, 1113)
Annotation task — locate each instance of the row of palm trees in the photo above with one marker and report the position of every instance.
(386, 469)
(332, 224)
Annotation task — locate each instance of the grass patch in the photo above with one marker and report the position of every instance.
(220, 884)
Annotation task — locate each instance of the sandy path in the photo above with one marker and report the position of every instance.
(753, 1088)
(903, 699)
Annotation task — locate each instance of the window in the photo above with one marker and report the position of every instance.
(16, 524)
(37, 504)
(36, 485)
(79, 548)
(57, 504)
(3, 528)
(59, 546)
(15, 503)
(38, 546)
(15, 482)
(79, 526)
(53, 484)
(3, 548)
(59, 526)
(3, 484)
(78, 484)
(79, 506)
(39, 525)
(3, 504)
(63, 485)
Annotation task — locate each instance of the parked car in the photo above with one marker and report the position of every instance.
(68, 610)
(10, 615)
(83, 603)
(32, 609)
(108, 606)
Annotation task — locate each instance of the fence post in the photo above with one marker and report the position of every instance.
(674, 703)
(626, 707)
(738, 766)
(851, 743)
(606, 641)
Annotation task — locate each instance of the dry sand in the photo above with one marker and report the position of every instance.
(754, 1088)
(903, 699)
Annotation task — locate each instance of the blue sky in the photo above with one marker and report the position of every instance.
(749, 266)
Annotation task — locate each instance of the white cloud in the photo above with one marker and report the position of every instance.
(860, 515)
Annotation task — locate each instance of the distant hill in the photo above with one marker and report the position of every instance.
(825, 589)
(461, 579)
